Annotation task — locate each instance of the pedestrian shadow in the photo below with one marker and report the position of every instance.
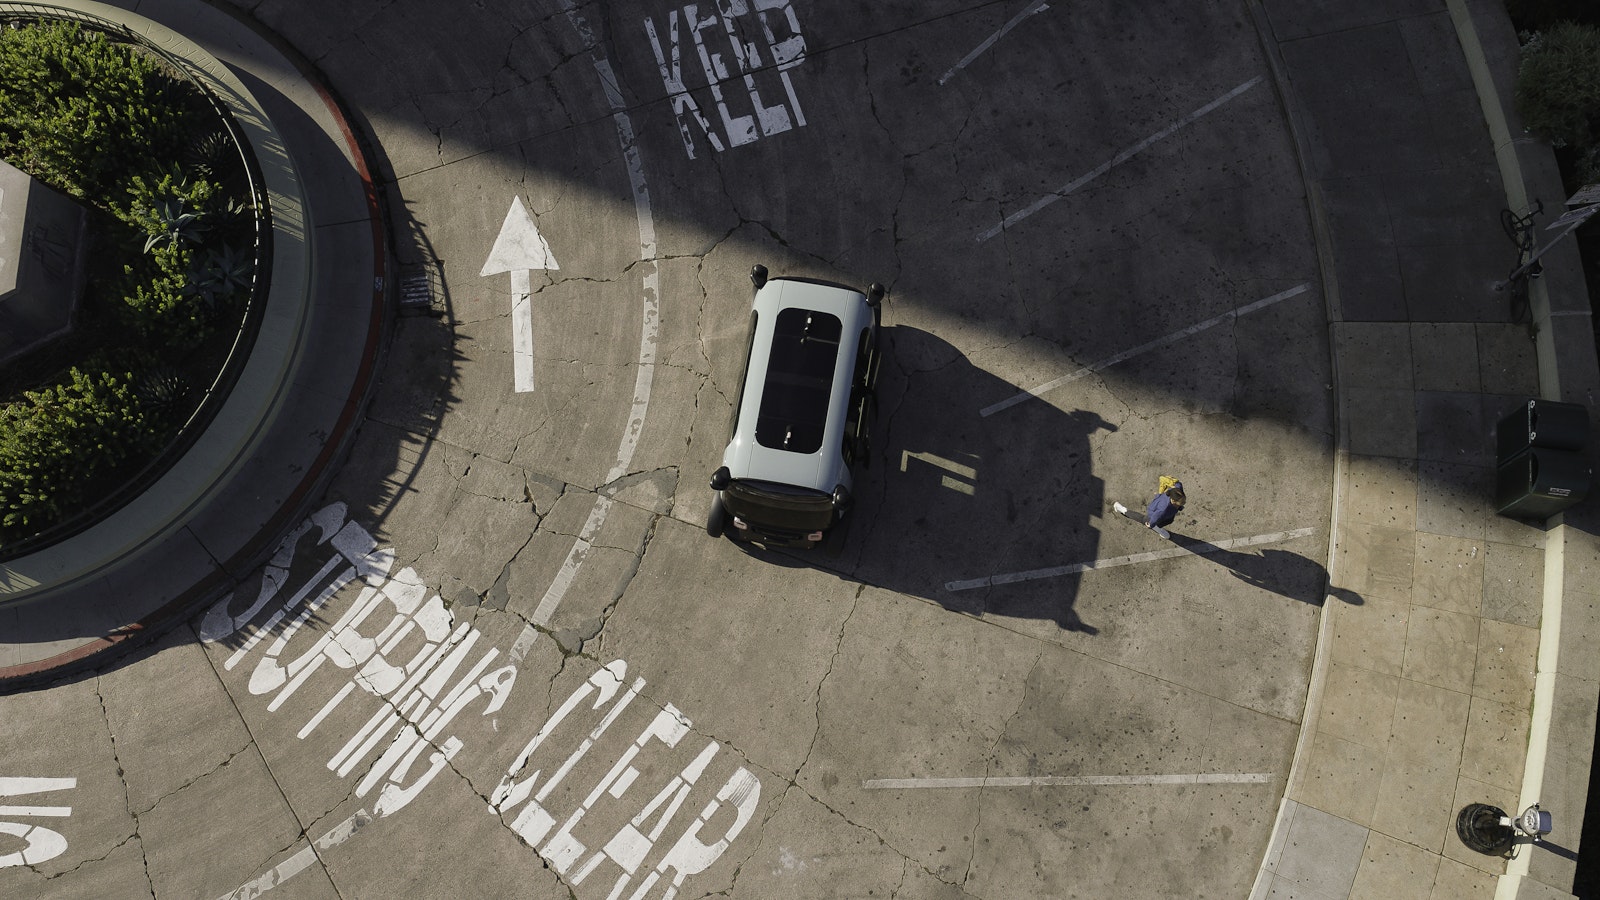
(1282, 572)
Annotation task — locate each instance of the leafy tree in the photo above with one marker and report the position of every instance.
(1558, 90)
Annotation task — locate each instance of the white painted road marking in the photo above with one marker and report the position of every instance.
(1062, 781)
(302, 858)
(40, 844)
(1115, 561)
(518, 249)
(1039, 7)
(1176, 336)
(419, 706)
(778, 28)
(649, 327)
(966, 475)
(1115, 161)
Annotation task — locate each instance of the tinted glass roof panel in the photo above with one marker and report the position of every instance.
(794, 400)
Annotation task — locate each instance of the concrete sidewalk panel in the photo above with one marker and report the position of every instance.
(1383, 422)
(1451, 428)
(1496, 742)
(1448, 574)
(1459, 881)
(1444, 357)
(1321, 854)
(1513, 584)
(1391, 868)
(1454, 498)
(1364, 116)
(1372, 636)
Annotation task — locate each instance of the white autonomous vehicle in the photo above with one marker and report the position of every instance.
(803, 416)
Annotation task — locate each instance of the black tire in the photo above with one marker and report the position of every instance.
(717, 519)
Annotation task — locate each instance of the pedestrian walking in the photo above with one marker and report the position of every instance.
(1164, 508)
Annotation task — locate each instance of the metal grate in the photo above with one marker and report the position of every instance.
(421, 290)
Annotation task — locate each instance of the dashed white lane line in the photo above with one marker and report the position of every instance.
(1176, 336)
(1039, 7)
(1115, 161)
(1134, 559)
(1063, 781)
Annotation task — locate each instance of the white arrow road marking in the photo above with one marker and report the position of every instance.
(1115, 561)
(1039, 7)
(1115, 161)
(519, 249)
(1062, 781)
(1172, 338)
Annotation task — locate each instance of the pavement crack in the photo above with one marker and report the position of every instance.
(977, 819)
(855, 603)
(122, 778)
(179, 789)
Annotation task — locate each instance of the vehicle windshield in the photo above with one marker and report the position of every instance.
(794, 399)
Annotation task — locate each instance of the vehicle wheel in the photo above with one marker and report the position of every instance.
(717, 518)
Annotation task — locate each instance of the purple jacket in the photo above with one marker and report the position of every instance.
(1160, 511)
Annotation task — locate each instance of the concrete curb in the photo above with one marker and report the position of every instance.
(1567, 371)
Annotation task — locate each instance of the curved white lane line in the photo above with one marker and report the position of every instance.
(650, 327)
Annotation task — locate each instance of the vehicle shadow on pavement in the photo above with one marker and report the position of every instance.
(1279, 571)
(952, 495)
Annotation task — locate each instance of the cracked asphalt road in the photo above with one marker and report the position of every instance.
(391, 708)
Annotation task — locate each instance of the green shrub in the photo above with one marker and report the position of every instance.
(167, 195)
(1558, 85)
(61, 445)
(78, 110)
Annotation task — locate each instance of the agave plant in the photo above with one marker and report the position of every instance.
(223, 271)
(209, 155)
(178, 223)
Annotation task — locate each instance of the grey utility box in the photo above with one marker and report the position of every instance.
(1542, 459)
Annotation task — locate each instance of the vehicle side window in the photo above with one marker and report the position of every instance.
(858, 386)
(863, 358)
(744, 373)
